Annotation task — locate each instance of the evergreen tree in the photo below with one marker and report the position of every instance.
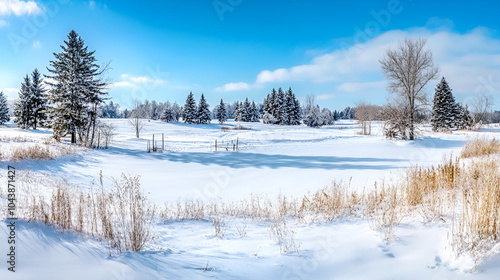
(279, 105)
(269, 113)
(77, 91)
(465, 119)
(4, 110)
(189, 112)
(245, 111)
(38, 100)
(445, 110)
(254, 113)
(221, 112)
(203, 114)
(292, 109)
(168, 114)
(23, 107)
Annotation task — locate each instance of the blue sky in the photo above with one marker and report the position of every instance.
(232, 49)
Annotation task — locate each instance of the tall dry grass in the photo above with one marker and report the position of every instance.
(37, 151)
(120, 214)
(480, 146)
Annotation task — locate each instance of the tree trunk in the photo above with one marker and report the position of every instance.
(412, 119)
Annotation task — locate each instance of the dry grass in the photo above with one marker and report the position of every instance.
(240, 127)
(121, 214)
(480, 146)
(37, 151)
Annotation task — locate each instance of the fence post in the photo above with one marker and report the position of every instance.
(216, 145)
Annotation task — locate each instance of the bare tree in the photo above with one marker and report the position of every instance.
(409, 68)
(481, 104)
(366, 113)
(136, 120)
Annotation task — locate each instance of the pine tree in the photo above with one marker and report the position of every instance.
(245, 111)
(221, 112)
(254, 113)
(189, 112)
(77, 91)
(279, 105)
(445, 111)
(291, 109)
(4, 110)
(168, 114)
(465, 119)
(203, 114)
(269, 114)
(38, 100)
(23, 108)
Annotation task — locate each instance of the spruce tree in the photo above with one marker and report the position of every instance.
(190, 111)
(465, 119)
(221, 112)
(203, 114)
(445, 110)
(279, 105)
(254, 113)
(246, 111)
(23, 107)
(292, 108)
(77, 91)
(168, 114)
(38, 100)
(269, 114)
(4, 110)
(238, 112)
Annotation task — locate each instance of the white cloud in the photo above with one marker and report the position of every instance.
(234, 87)
(123, 84)
(19, 7)
(92, 4)
(3, 23)
(135, 81)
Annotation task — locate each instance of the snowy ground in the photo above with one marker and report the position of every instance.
(272, 160)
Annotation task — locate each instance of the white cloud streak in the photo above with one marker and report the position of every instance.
(19, 7)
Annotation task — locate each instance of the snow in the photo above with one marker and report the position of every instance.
(291, 160)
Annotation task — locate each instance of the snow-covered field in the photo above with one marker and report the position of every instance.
(272, 160)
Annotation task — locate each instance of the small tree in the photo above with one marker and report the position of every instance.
(445, 110)
(135, 119)
(203, 114)
(189, 112)
(38, 100)
(221, 113)
(4, 110)
(312, 113)
(465, 120)
(481, 104)
(365, 114)
(408, 69)
(23, 110)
